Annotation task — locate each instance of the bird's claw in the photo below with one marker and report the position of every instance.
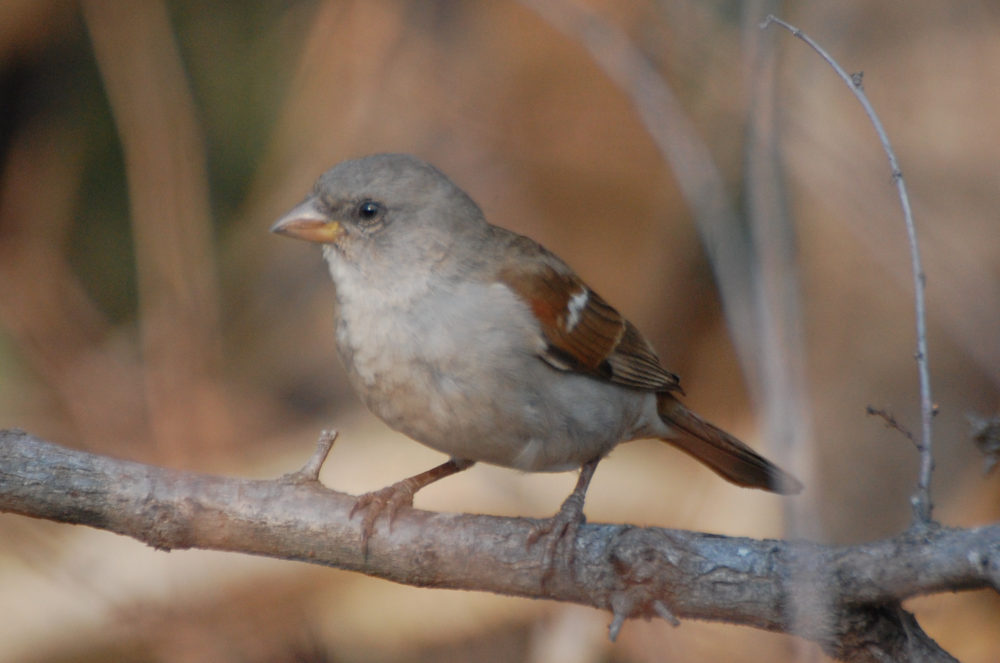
(388, 500)
(560, 528)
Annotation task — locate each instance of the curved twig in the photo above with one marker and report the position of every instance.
(921, 501)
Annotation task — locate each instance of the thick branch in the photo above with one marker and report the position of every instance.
(628, 570)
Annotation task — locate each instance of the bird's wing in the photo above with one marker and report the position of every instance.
(582, 332)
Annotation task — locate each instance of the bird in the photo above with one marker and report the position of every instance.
(478, 342)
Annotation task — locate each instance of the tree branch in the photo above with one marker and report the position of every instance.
(921, 500)
(631, 571)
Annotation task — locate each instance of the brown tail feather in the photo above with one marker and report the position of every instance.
(722, 452)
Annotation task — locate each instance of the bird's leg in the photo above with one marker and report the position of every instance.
(564, 524)
(391, 498)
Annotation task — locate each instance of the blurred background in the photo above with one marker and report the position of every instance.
(716, 182)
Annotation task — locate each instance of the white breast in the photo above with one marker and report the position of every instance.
(457, 368)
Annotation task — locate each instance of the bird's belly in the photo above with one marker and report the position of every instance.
(517, 421)
(471, 384)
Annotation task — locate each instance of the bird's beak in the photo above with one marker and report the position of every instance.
(306, 222)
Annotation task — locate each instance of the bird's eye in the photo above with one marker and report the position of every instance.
(368, 210)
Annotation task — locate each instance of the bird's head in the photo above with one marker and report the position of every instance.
(384, 207)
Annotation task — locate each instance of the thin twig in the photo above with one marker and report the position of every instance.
(921, 500)
(891, 422)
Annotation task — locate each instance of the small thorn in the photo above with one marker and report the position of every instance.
(616, 626)
(621, 607)
(664, 612)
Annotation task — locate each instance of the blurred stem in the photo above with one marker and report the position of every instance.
(778, 298)
(54, 324)
(778, 293)
(171, 219)
(697, 175)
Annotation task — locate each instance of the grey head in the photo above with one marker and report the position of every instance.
(393, 206)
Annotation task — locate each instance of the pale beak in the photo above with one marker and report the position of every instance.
(306, 222)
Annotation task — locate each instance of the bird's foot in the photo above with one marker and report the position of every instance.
(562, 529)
(309, 473)
(400, 494)
(388, 500)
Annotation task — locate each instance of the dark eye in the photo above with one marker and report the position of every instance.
(368, 210)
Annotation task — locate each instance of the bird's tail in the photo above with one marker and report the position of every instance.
(723, 453)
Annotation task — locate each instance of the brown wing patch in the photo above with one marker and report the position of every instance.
(583, 332)
(583, 336)
(635, 364)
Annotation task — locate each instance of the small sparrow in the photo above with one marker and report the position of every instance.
(480, 343)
